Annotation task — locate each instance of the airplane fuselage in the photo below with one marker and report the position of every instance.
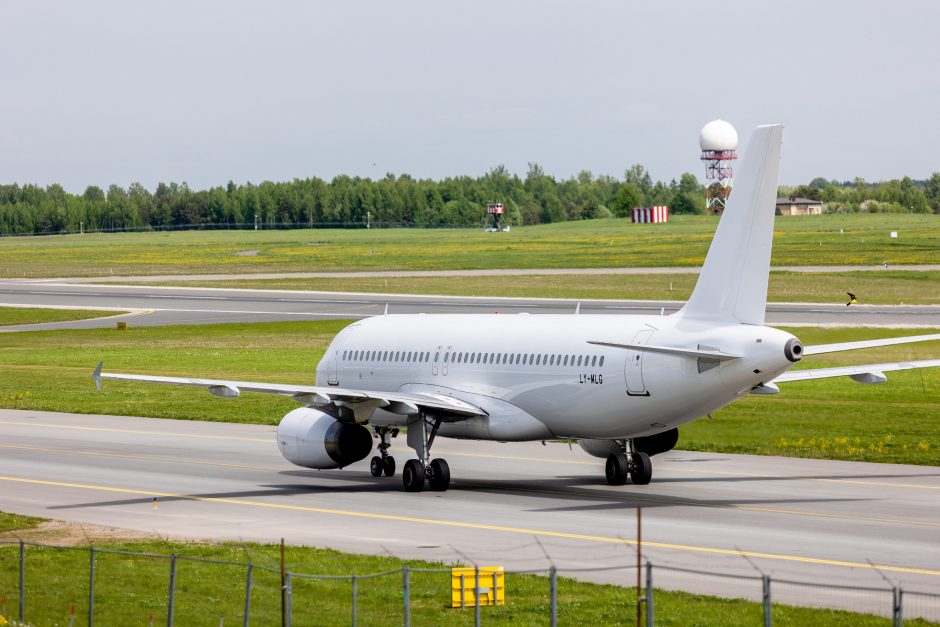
(538, 377)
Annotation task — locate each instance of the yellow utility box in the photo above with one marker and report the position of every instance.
(463, 585)
(121, 325)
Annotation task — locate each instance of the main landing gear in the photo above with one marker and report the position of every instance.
(417, 472)
(384, 465)
(629, 462)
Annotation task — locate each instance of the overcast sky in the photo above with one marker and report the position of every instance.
(203, 92)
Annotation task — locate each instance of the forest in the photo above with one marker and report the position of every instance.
(352, 202)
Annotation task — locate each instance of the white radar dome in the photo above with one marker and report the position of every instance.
(718, 135)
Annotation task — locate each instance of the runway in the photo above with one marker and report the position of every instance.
(516, 505)
(152, 305)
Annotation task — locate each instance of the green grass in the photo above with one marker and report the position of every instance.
(684, 241)
(890, 287)
(28, 315)
(128, 589)
(11, 522)
(833, 418)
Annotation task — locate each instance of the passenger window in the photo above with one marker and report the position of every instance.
(593, 361)
(566, 360)
(525, 360)
(437, 356)
(538, 360)
(579, 360)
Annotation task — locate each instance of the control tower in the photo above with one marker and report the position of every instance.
(718, 141)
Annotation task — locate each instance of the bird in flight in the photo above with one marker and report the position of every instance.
(852, 299)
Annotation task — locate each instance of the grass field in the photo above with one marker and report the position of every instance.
(128, 589)
(834, 418)
(874, 288)
(825, 240)
(28, 315)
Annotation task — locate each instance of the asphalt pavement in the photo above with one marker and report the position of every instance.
(151, 305)
(521, 506)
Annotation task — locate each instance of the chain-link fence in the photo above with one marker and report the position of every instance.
(46, 584)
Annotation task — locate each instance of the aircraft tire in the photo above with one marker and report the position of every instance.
(412, 476)
(439, 475)
(388, 466)
(617, 469)
(376, 466)
(642, 470)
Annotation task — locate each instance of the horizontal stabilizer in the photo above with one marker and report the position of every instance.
(868, 373)
(853, 346)
(669, 350)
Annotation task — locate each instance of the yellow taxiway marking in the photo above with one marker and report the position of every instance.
(135, 431)
(468, 525)
(821, 479)
(677, 502)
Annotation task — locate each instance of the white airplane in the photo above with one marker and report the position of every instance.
(619, 384)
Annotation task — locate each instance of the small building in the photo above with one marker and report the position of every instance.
(649, 215)
(794, 206)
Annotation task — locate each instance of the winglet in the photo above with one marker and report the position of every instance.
(96, 375)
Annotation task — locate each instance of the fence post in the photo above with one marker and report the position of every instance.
(649, 595)
(553, 597)
(169, 608)
(897, 612)
(354, 600)
(91, 587)
(406, 593)
(768, 604)
(476, 596)
(251, 568)
(289, 600)
(22, 582)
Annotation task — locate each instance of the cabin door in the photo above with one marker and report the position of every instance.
(633, 368)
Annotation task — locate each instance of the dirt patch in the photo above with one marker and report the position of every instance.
(61, 533)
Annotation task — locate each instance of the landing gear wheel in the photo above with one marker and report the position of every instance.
(375, 466)
(388, 466)
(642, 470)
(439, 475)
(412, 476)
(617, 469)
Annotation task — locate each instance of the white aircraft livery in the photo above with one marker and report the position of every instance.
(619, 384)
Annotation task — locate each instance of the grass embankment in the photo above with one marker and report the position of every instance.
(889, 287)
(831, 418)
(28, 315)
(129, 589)
(825, 240)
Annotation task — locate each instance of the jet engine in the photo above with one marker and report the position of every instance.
(312, 439)
(651, 444)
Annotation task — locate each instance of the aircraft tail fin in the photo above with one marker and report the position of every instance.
(733, 282)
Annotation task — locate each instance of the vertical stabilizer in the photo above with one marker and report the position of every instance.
(733, 283)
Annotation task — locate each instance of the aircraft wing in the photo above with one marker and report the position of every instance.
(331, 400)
(820, 349)
(868, 373)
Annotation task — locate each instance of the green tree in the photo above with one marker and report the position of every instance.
(628, 197)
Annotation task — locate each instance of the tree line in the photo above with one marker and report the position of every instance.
(404, 201)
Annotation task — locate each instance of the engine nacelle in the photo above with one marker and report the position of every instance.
(312, 439)
(658, 443)
(600, 448)
(651, 444)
